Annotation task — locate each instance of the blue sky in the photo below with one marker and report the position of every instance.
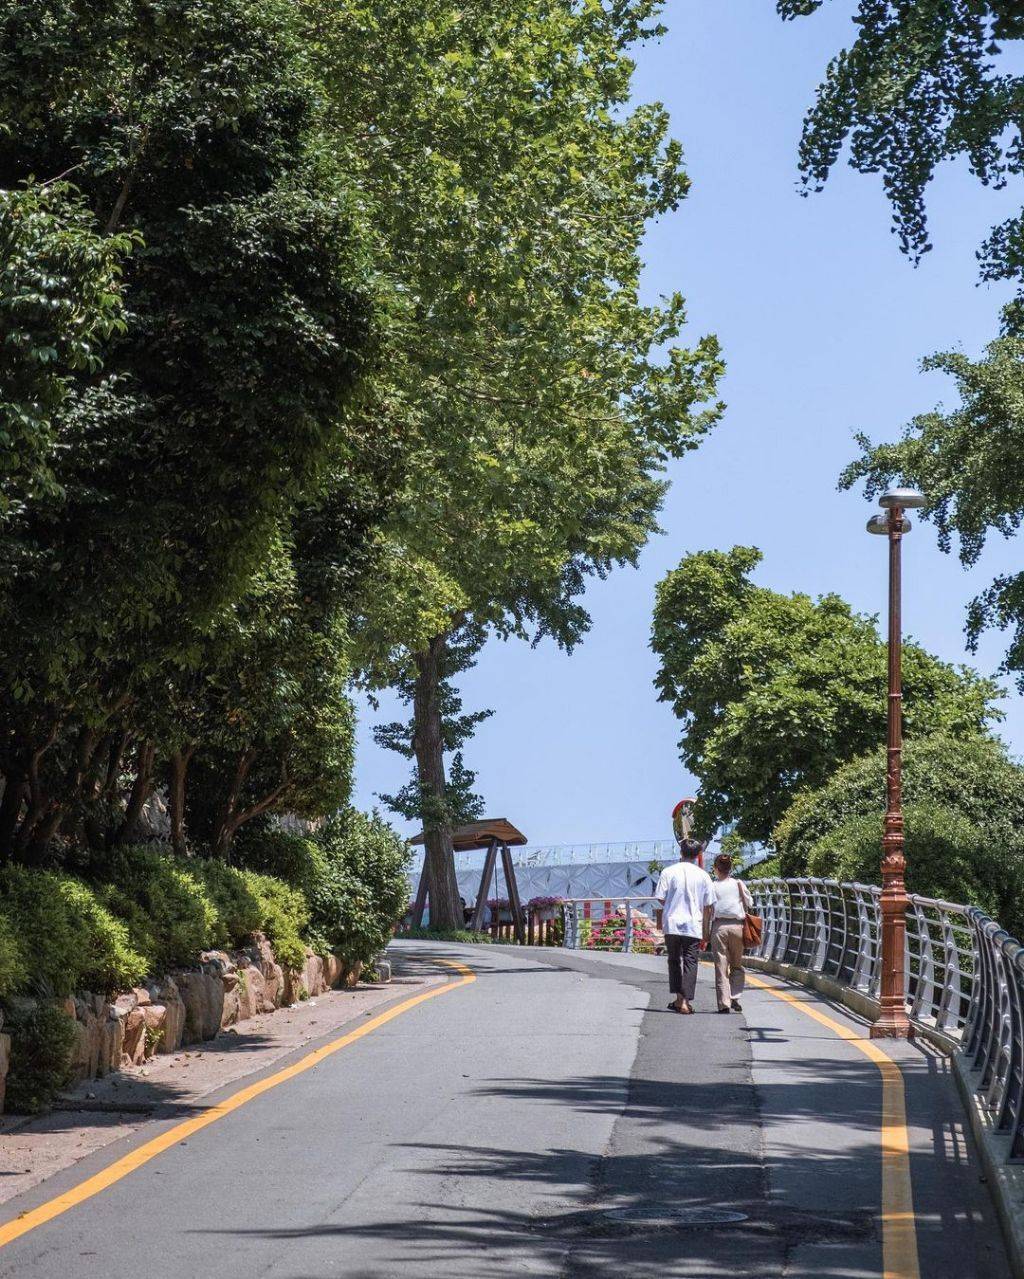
(823, 323)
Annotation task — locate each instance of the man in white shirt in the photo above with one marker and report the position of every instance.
(685, 892)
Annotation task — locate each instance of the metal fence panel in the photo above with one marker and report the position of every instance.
(965, 974)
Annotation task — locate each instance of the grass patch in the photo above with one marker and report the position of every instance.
(446, 934)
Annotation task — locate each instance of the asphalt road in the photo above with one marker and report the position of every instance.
(552, 1118)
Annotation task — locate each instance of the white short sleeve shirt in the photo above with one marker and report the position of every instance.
(686, 890)
(732, 899)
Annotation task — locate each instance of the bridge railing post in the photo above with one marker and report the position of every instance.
(570, 925)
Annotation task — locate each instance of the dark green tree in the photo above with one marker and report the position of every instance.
(60, 300)
(197, 129)
(775, 692)
(964, 811)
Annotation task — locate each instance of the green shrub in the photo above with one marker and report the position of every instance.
(73, 941)
(284, 915)
(169, 913)
(943, 854)
(239, 911)
(964, 816)
(14, 972)
(42, 1040)
(363, 888)
(297, 860)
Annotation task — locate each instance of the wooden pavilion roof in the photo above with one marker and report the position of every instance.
(480, 834)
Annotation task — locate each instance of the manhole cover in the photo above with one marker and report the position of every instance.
(673, 1218)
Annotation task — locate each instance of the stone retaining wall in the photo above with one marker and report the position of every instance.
(188, 1006)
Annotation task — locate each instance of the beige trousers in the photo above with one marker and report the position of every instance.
(727, 949)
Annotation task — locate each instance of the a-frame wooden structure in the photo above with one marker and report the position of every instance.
(496, 834)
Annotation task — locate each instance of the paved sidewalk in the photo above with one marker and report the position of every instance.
(101, 1111)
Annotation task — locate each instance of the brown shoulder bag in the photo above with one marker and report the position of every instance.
(753, 925)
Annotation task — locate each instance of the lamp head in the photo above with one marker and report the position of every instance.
(902, 497)
(880, 524)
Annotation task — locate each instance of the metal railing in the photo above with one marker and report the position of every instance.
(591, 923)
(834, 928)
(965, 975)
(993, 1040)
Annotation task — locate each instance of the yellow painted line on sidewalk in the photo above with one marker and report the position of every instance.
(899, 1229)
(149, 1150)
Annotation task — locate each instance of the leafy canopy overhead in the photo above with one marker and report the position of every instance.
(60, 299)
(926, 81)
(186, 423)
(970, 463)
(775, 691)
(920, 84)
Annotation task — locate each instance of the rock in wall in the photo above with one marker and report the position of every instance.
(187, 1006)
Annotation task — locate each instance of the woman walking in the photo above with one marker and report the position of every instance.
(732, 901)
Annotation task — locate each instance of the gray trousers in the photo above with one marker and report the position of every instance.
(683, 959)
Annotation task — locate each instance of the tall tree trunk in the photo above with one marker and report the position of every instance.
(10, 811)
(176, 798)
(38, 846)
(143, 787)
(445, 906)
(227, 820)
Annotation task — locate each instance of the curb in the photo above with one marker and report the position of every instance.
(1005, 1180)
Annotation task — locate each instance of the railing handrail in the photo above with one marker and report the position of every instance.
(613, 897)
(965, 975)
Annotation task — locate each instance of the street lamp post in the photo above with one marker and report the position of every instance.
(893, 1022)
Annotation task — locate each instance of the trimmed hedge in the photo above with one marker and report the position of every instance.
(239, 910)
(352, 873)
(42, 1040)
(284, 915)
(363, 889)
(71, 941)
(13, 968)
(168, 911)
(141, 910)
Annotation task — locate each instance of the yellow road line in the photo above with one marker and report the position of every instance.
(899, 1230)
(149, 1150)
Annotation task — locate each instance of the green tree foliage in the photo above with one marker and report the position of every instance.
(59, 302)
(970, 463)
(774, 691)
(190, 429)
(263, 722)
(509, 185)
(924, 82)
(964, 812)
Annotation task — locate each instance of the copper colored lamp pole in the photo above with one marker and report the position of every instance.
(893, 1022)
